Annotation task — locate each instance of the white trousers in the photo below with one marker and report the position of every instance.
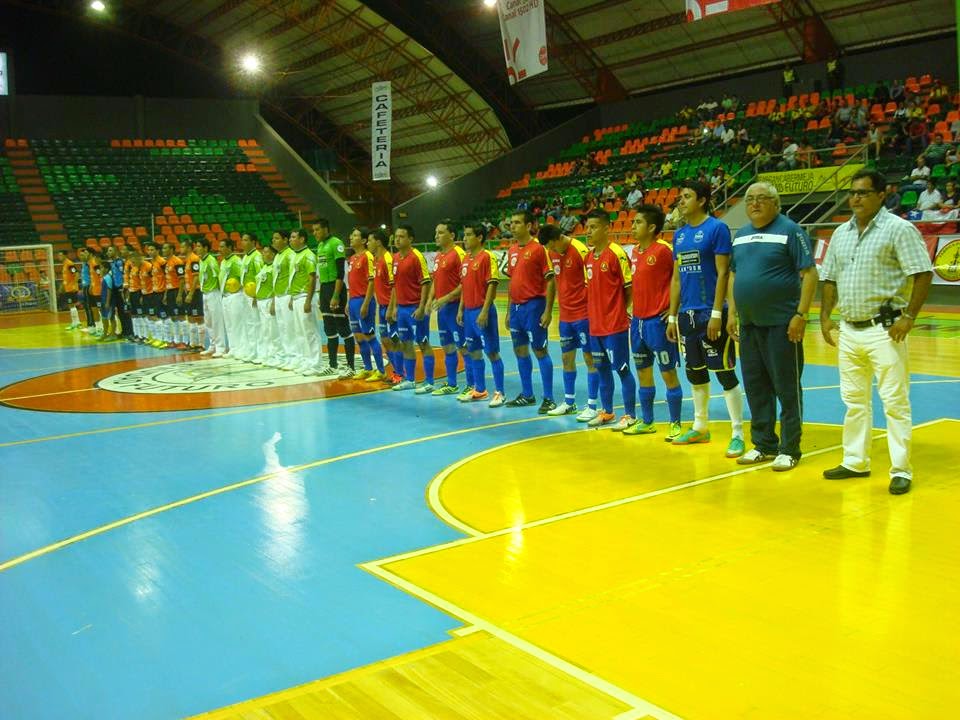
(286, 328)
(308, 339)
(233, 320)
(213, 321)
(865, 354)
(268, 336)
(251, 327)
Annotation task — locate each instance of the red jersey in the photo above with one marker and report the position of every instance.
(69, 275)
(174, 271)
(478, 271)
(607, 276)
(529, 269)
(409, 274)
(652, 275)
(96, 279)
(159, 272)
(571, 281)
(446, 270)
(383, 279)
(360, 274)
(146, 277)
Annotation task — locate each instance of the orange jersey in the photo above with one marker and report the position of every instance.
(96, 279)
(607, 275)
(146, 277)
(159, 272)
(69, 276)
(383, 279)
(571, 281)
(528, 268)
(174, 271)
(409, 274)
(446, 270)
(652, 275)
(191, 268)
(128, 275)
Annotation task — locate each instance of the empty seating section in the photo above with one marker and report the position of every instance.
(645, 146)
(103, 192)
(16, 225)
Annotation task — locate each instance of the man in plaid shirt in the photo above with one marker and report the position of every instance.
(877, 272)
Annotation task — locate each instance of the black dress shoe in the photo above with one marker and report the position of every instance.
(841, 472)
(899, 485)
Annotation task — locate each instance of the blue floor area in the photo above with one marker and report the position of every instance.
(253, 590)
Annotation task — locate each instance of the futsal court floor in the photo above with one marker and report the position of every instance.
(183, 537)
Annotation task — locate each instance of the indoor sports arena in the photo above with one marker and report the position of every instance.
(479, 359)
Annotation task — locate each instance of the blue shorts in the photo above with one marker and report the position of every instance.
(387, 329)
(361, 325)
(613, 348)
(525, 324)
(574, 335)
(648, 341)
(478, 338)
(409, 329)
(700, 352)
(450, 332)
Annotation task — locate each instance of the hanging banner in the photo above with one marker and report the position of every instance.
(4, 78)
(523, 26)
(821, 179)
(699, 9)
(381, 121)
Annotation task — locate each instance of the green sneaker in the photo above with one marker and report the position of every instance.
(640, 428)
(466, 395)
(692, 437)
(446, 390)
(674, 432)
(735, 448)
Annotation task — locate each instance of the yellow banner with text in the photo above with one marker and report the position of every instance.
(822, 179)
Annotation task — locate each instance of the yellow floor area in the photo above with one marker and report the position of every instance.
(756, 595)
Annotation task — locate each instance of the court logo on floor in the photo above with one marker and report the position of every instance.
(201, 376)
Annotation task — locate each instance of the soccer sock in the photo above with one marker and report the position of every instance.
(479, 374)
(396, 359)
(606, 386)
(409, 368)
(628, 385)
(570, 387)
(546, 375)
(169, 330)
(734, 400)
(74, 316)
(593, 389)
(497, 366)
(186, 335)
(428, 364)
(377, 353)
(525, 366)
(468, 370)
(451, 359)
(99, 324)
(674, 402)
(333, 347)
(201, 335)
(136, 326)
(350, 348)
(646, 396)
(365, 355)
(701, 403)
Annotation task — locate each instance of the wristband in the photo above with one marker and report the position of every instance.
(716, 314)
(672, 319)
(908, 315)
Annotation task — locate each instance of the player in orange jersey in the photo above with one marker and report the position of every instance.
(174, 322)
(69, 287)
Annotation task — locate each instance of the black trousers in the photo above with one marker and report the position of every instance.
(772, 366)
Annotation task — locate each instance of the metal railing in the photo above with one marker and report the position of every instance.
(860, 155)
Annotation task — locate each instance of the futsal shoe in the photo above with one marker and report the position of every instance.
(624, 422)
(476, 396)
(754, 457)
(563, 408)
(345, 373)
(497, 401)
(328, 372)
(206, 353)
(735, 448)
(466, 394)
(674, 432)
(522, 401)
(375, 376)
(692, 437)
(546, 406)
(181, 346)
(601, 418)
(395, 379)
(219, 354)
(446, 390)
(640, 428)
(405, 385)
(362, 375)
(783, 462)
(424, 388)
(587, 414)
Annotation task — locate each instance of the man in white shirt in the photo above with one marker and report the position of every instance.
(634, 198)
(609, 192)
(789, 161)
(930, 199)
(918, 176)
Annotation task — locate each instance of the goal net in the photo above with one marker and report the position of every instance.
(27, 278)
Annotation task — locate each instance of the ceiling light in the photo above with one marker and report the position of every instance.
(383, 227)
(98, 5)
(431, 181)
(489, 3)
(250, 63)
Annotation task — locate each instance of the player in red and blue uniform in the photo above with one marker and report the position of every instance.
(362, 307)
(529, 311)
(567, 256)
(377, 242)
(608, 297)
(408, 308)
(478, 315)
(445, 300)
(652, 274)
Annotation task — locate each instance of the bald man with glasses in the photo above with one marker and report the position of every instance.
(772, 283)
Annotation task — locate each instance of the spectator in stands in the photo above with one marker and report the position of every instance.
(789, 78)
(952, 157)
(843, 115)
(881, 95)
(862, 116)
(583, 167)
(728, 136)
(939, 91)
(891, 199)
(635, 198)
(822, 110)
(930, 198)
(726, 103)
(917, 179)
(915, 109)
(702, 176)
(764, 159)
(666, 167)
(935, 152)
(897, 137)
(609, 193)
(589, 203)
(504, 228)
(788, 159)
(897, 91)
(806, 155)
(901, 114)
(523, 204)
(568, 221)
(753, 149)
(834, 73)
(951, 196)
(718, 131)
(743, 136)
(674, 218)
(776, 116)
(875, 138)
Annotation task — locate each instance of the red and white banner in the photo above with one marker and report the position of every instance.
(699, 9)
(523, 26)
